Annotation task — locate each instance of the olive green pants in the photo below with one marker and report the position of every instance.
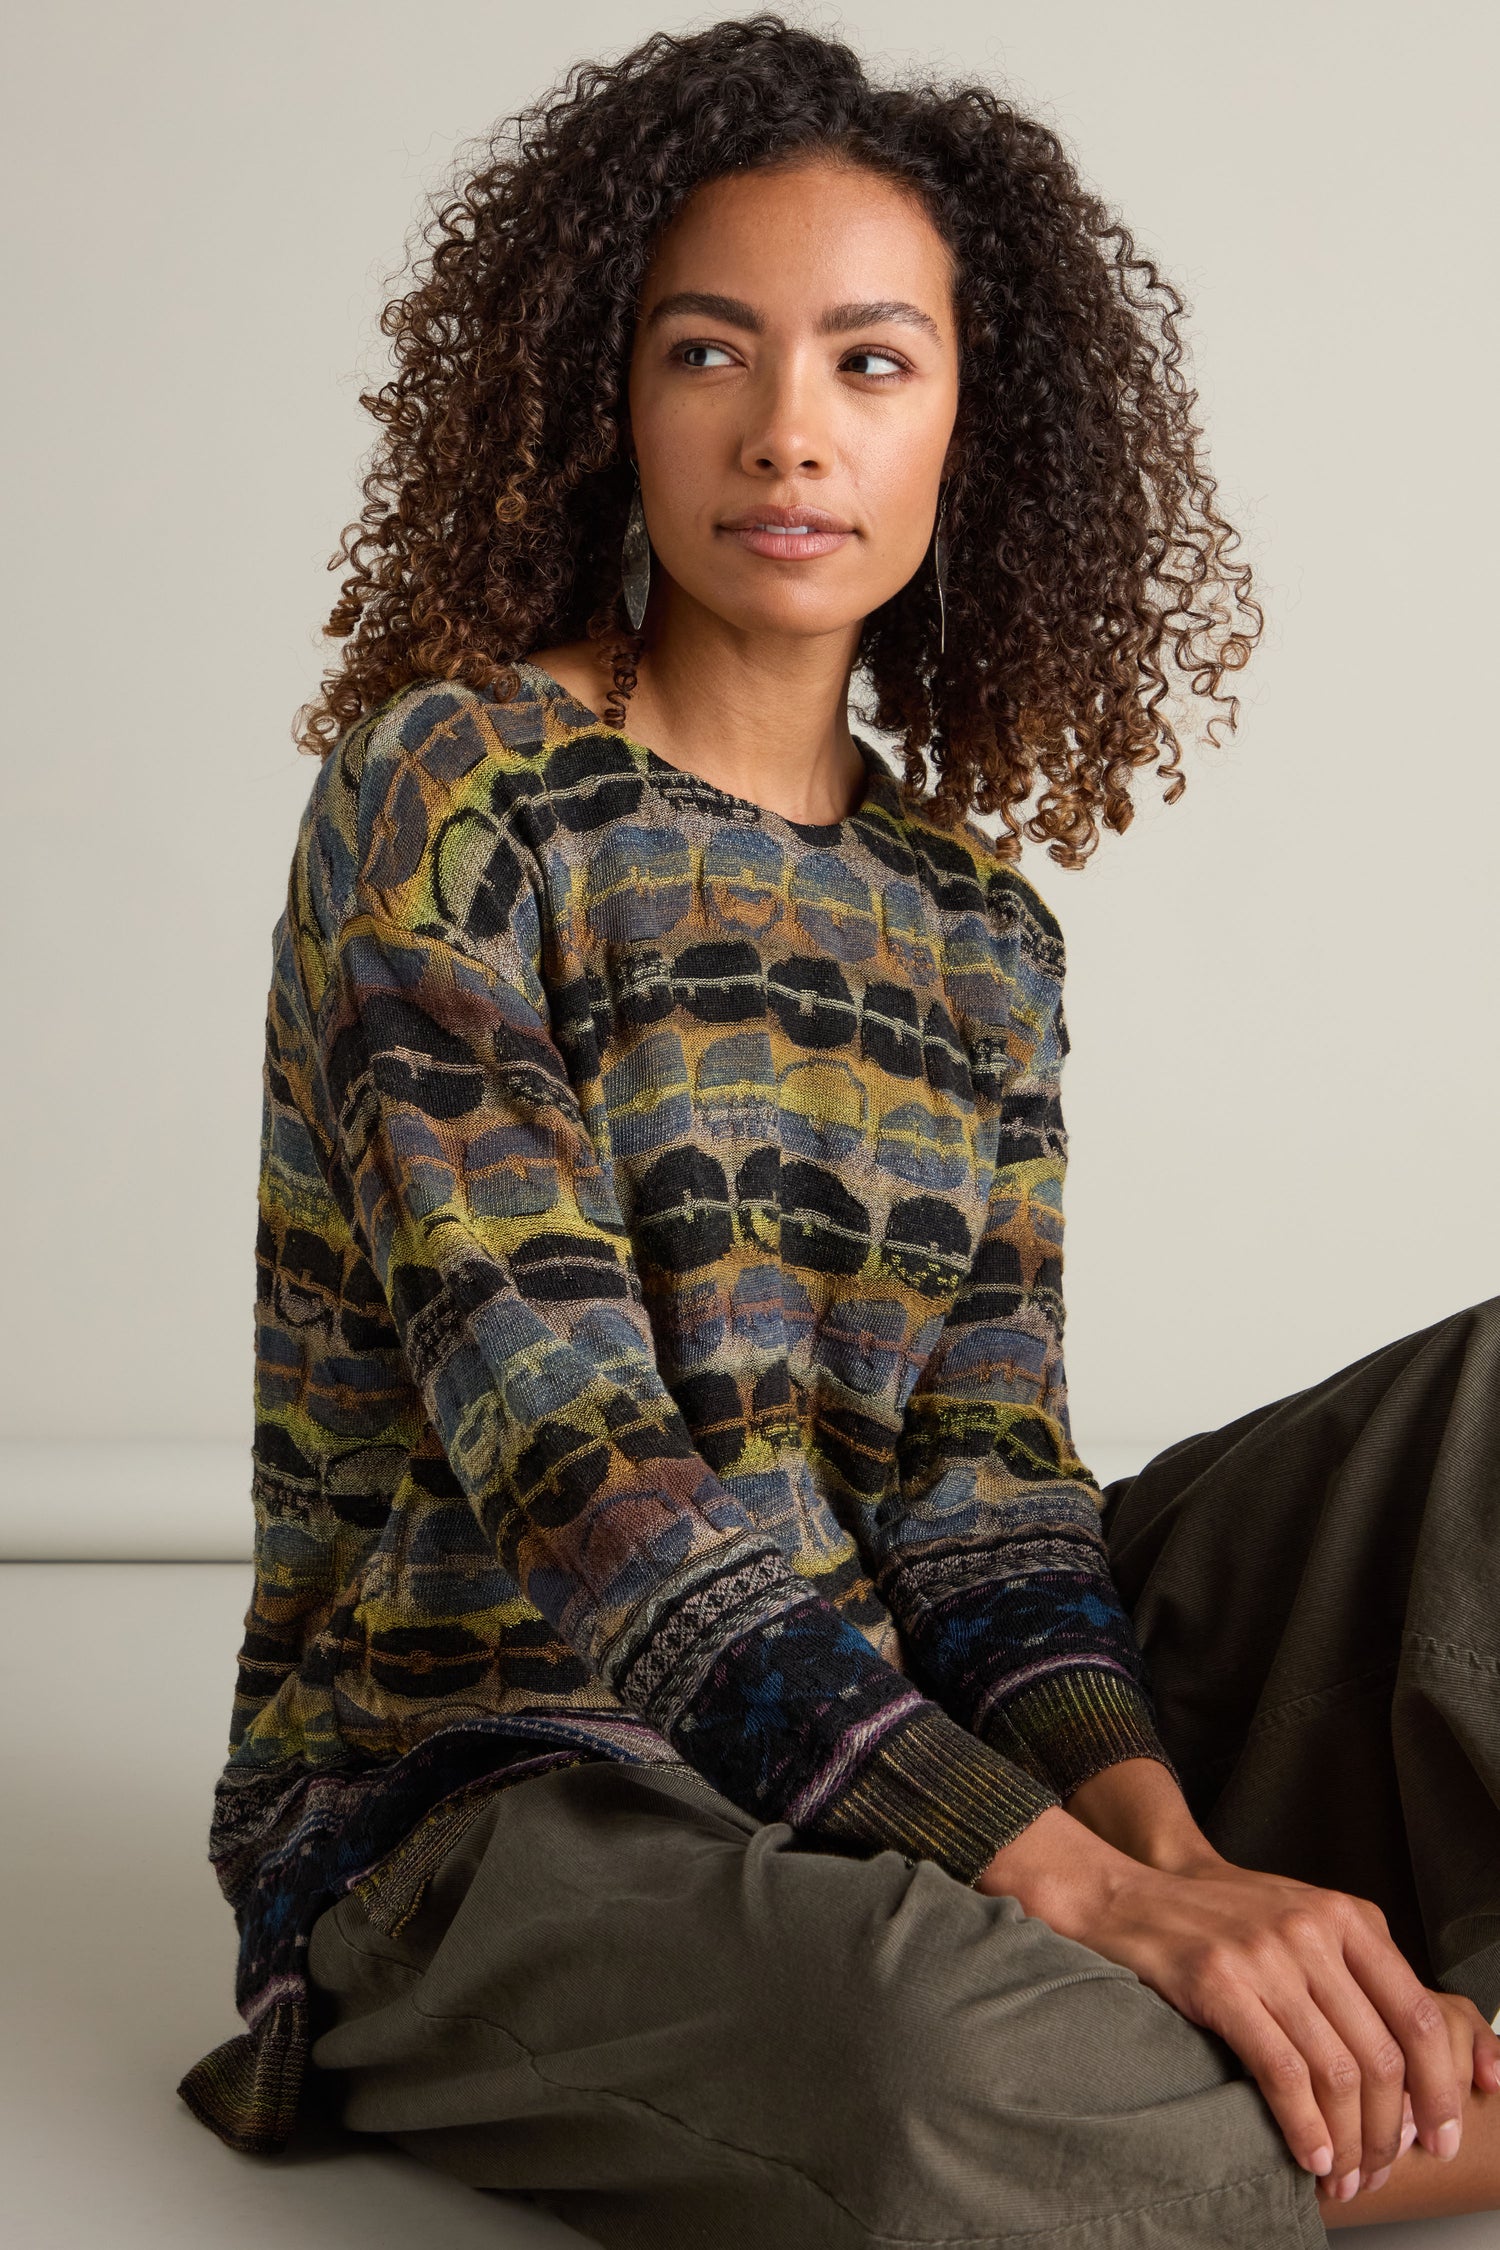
(672, 2026)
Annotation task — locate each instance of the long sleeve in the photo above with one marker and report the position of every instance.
(991, 1555)
(492, 1221)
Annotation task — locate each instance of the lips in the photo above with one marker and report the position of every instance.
(785, 519)
(788, 534)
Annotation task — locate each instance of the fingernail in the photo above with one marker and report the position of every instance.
(1377, 2179)
(1446, 2140)
(1408, 2134)
(1346, 2187)
(1320, 2161)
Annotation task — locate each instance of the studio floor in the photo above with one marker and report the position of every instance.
(119, 1951)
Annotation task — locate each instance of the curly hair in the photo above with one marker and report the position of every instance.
(1091, 577)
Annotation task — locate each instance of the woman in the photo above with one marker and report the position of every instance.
(707, 1755)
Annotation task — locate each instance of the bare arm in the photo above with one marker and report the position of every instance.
(1306, 1985)
(1138, 1807)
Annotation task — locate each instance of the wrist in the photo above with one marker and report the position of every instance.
(1138, 1807)
(1058, 1871)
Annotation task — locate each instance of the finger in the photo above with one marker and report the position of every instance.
(1487, 2059)
(1377, 2180)
(1355, 2068)
(1383, 2100)
(1421, 2028)
(1476, 2048)
(1279, 2069)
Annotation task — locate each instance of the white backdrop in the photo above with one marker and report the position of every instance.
(1281, 991)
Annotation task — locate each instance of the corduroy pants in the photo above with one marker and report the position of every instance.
(672, 2026)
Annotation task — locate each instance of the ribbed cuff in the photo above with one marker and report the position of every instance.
(1070, 1725)
(932, 1790)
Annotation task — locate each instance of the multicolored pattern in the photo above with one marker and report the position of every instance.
(659, 1328)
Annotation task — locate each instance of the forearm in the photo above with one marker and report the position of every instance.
(1015, 1626)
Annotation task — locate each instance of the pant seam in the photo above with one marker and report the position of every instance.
(785, 2164)
(1459, 1653)
(1311, 1700)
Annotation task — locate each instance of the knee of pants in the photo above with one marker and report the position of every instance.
(1011, 2017)
(951, 2049)
(1074, 2099)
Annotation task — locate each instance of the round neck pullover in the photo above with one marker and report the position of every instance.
(658, 1332)
(881, 786)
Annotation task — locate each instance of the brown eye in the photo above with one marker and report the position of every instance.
(868, 352)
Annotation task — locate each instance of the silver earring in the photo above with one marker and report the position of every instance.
(635, 571)
(940, 571)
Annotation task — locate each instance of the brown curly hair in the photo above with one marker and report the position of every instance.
(1091, 576)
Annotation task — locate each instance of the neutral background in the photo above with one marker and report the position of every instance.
(1282, 990)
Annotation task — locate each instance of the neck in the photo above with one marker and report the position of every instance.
(763, 716)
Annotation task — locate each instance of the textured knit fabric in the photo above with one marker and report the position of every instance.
(659, 1329)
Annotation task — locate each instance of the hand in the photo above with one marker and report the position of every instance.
(1305, 1985)
(1473, 2043)
(1476, 2047)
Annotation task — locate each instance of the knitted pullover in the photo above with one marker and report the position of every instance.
(658, 1341)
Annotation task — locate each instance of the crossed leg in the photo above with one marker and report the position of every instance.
(1316, 1587)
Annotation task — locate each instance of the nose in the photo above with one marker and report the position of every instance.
(786, 432)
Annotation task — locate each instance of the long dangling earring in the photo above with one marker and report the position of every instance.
(635, 566)
(940, 570)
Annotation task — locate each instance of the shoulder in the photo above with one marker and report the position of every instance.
(1000, 949)
(434, 745)
(534, 763)
(437, 757)
(963, 872)
(446, 802)
(420, 779)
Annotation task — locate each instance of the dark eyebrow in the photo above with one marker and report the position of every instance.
(734, 310)
(838, 320)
